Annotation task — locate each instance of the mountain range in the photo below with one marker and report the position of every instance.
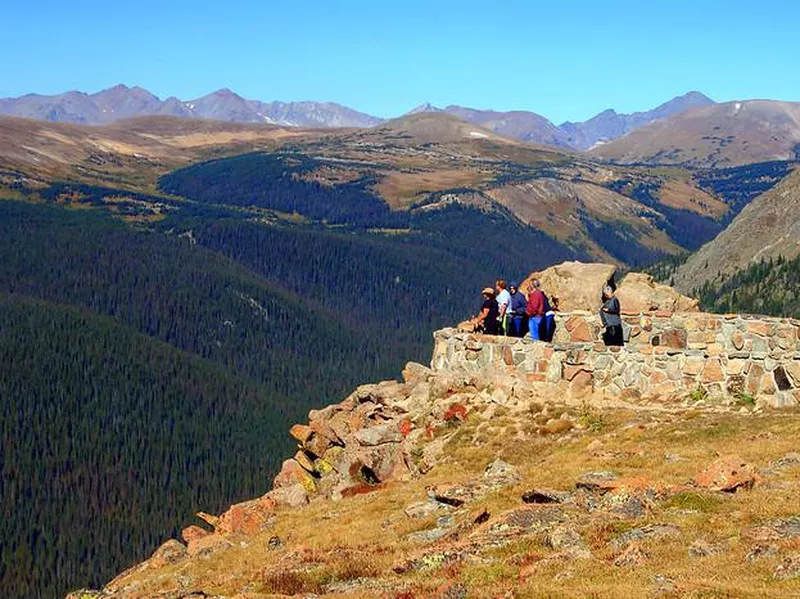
(121, 102)
(139, 254)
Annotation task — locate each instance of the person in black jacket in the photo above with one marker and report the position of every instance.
(486, 321)
(609, 315)
(516, 312)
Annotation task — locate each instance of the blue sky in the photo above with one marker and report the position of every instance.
(564, 60)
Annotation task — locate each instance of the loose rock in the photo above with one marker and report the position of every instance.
(727, 473)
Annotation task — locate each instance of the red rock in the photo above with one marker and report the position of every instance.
(193, 533)
(430, 430)
(581, 384)
(405, 427)
(456, 412)
(248, 517)
(317, 445)
(674, 338)
(291, 473)
(508, 357)
(712, 371)
(759, 328)
(727, 473)
(570, 371)
(168, 553)
(301, 432)
(294, 495)
(581, 333)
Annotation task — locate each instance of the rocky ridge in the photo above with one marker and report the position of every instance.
(456, 483)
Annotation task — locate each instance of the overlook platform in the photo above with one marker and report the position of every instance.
(666, 356)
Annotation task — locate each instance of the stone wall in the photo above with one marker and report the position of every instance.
(667, 356)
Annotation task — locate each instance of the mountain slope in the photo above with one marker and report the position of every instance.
(767, 227)
(120, 102)
(518, 124)
(609, 125)
(720, 135)
(98, 422)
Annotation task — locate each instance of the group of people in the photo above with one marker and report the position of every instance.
(507, 311)
(512, 313)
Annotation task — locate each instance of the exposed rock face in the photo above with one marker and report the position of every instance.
(639, 292)
(577, 285)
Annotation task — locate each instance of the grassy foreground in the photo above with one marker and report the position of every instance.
(654, 534)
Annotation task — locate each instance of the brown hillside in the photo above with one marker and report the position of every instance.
(768, 227)
(718, 135)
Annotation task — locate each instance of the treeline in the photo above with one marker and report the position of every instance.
(738, 185)
(282, 182)
(770, 286)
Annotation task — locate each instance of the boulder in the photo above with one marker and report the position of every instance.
(546, 496)
(168, 553)
(193, 533)
(597, 481)
(378, 435)
(248, 517)
(727, 473)
(578, 286)
(639, 292)
(292, 496)
(414, 373)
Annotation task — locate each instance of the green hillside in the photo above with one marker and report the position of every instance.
(111, 440)
(767, 287)
(146, 376)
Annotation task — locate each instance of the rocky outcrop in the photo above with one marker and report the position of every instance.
(639, 292)
(577, 285)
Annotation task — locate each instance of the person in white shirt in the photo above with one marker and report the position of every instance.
(503, 300)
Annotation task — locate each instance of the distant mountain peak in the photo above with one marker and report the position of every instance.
(424, 107)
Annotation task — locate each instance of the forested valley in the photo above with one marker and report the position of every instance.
(155, 348)
(152, 371)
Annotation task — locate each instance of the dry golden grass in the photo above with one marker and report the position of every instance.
(680, 193)
(338, 545)
(401, 189)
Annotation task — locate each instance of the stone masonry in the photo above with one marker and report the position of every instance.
(667, 356)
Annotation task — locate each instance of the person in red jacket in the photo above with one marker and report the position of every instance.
(535, 310)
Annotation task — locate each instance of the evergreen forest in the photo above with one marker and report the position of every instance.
(151, 371)
(155, 348)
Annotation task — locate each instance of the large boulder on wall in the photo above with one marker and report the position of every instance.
(639, 292)
(577, 285)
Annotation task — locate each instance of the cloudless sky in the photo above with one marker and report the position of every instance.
(565, 60)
